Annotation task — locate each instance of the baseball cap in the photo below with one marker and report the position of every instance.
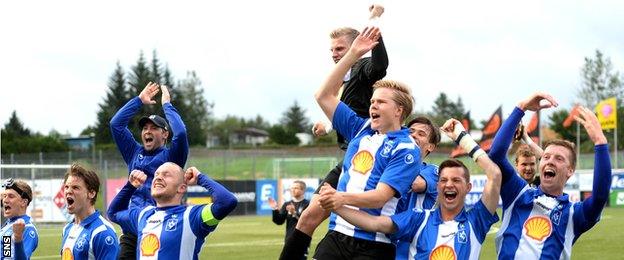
(156, 120)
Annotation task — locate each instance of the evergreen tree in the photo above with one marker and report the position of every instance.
(195, 107)
(294, 120)
(443, 108)
(14, 128)
(116, 97)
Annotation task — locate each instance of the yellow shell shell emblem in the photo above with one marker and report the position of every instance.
(67, 254)
(149, 245)
(538, 227)
(362, 162)
(443, 252)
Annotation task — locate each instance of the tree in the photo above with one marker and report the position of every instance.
(224, 127)
(16, 138)
(14, 128)
(116, 96)
(294, 120)
(193, 105)
(443, 108)
(599, 82)
(279, 135)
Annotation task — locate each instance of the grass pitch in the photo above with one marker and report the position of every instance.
(256, 237)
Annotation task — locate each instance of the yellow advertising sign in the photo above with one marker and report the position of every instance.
(607, 113)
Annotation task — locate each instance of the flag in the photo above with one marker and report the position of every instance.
(533, 128)
(465, 120)
(607, 113)
(490, 129)
(568, 121)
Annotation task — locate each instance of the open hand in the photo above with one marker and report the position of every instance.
(148, 93)
(537, 101)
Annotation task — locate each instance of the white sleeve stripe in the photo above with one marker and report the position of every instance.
(367, 123)
(402, 146)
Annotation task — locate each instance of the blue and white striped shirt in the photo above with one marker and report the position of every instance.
(392, 158)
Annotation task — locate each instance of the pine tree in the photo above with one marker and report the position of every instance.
(294, 119)
(116, 97)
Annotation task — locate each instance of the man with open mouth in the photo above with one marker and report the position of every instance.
(152, 151)
(16, 196)
(448, 231)
(541, 222)
(88, 235)
(424, 193)
(357, 89)
(380, 164)
(171, 230)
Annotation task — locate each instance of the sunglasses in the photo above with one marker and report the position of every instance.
(10, 184)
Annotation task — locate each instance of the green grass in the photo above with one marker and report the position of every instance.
(256, 237)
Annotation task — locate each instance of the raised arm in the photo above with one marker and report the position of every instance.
(179, 149)
(24, 245)
(223, 201)
(525, 138)
(592, 207)
(504, 136)
(119, 123)
(365, 221)
(376, 69)
(455, 130)
(118, 209)
(325, 95)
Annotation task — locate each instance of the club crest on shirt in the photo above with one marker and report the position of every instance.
(80, 244)
(538, 228)
(462, 237)
(409, 158)
(140, 157)
(109, 240)
(149, 245)
(387, 148)
(32, 234)
(443, 252)
(555, 216)
(362, 162)
(171, 224)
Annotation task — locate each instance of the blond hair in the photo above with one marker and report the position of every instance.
(344, 31)
(402, 95)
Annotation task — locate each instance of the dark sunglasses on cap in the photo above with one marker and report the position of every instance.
(10, 184)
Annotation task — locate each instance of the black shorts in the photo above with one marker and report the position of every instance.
(332, 177)
(127, 244)
(336, 245)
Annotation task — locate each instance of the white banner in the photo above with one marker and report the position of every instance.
(48, 203)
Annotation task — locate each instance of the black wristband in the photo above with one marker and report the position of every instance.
(461, 135)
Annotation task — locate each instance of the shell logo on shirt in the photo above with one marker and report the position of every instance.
(443, 252)
(538, 227)
(362, 162)
(67, 254)
(149, 245)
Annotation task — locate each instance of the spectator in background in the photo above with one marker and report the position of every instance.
(292, 209)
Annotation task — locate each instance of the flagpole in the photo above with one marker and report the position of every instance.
(615, 145)
(578, 142)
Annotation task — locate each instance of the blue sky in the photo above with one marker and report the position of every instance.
(57, 56)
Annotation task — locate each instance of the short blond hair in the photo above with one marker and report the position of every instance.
(402, 95)
(344, 31)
